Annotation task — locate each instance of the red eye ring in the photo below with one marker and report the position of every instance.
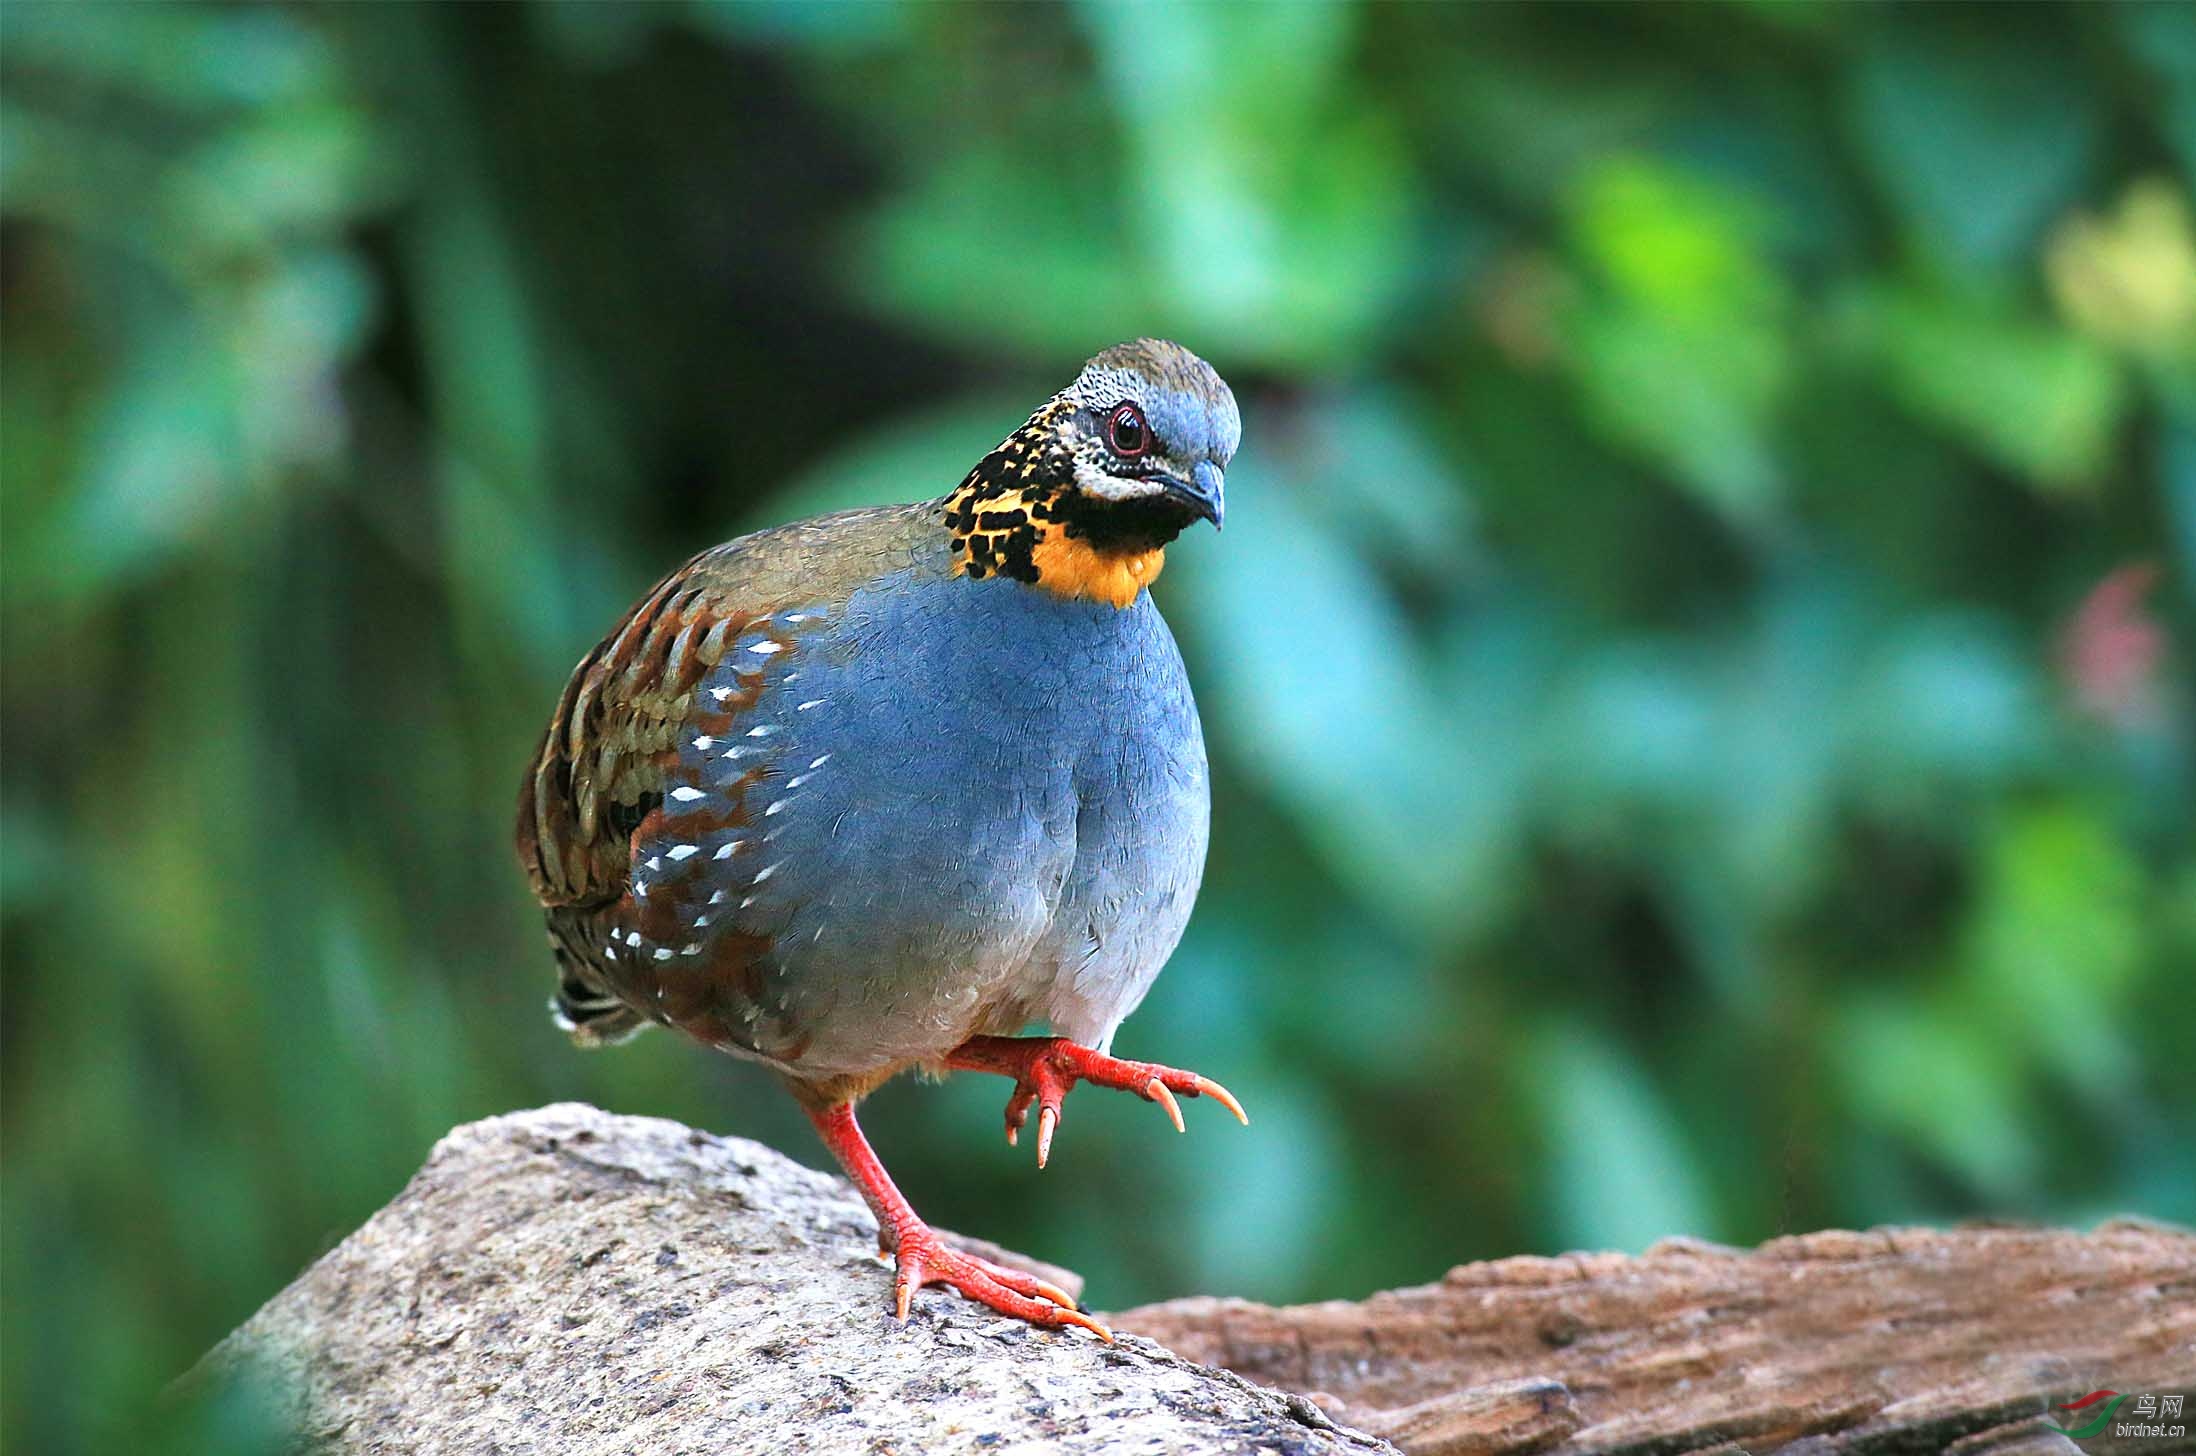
(1126, 431)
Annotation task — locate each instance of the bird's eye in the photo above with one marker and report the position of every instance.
(1125, 432)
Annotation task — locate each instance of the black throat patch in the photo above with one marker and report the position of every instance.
(1011, 499)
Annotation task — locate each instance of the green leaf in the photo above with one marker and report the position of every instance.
(908, 459)
(2163, 42)
(164, 463)
(1313, 678)
(1679, 339)
(1946, 701)
(1927, 1070)
(1529, 98)
(1271, 215)
(2178, 465)
(1621, 1174)
(1978, 123)
(1253, 211)
(2040, 400)
(948, 251)
(2056, 942)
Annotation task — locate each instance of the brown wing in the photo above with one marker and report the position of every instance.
(613, 736)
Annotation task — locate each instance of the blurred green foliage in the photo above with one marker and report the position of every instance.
(1695, 753)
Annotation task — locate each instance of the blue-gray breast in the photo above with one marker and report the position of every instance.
(879, 789)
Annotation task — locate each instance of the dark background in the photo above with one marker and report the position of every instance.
(1696, 670)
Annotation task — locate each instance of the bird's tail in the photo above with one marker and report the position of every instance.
(585, 1007)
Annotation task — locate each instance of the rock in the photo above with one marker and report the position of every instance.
(565, 1281)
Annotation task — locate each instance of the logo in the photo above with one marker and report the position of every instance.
(2097, 1418)
(2090, 1415)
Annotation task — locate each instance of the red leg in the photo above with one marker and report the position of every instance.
(923, 1257)
(1044, 1068)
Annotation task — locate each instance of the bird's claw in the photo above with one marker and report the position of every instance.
(1046, 1068)
(1166, 1081)
(925, 1259)
(922, 1257)
(1206, 1087)
(1156, 1091)
(1048, 1120)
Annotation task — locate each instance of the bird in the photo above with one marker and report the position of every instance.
(878, 791)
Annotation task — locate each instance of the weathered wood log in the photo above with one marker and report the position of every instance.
(1896, 1340)
(564, 1281)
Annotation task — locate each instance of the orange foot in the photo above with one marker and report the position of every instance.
(1044, 1068)
(924, 1258)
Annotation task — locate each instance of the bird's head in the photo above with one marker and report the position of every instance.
(1150, 429)
(1083, 499)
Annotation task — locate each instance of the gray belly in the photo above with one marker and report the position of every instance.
(957, 807)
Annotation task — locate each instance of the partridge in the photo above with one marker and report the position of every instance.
(879, 790)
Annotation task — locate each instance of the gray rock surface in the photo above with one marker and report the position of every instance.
(565, 1281)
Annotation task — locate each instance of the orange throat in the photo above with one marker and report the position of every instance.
(1072, 568)
(1017, 532)
(1008, 519)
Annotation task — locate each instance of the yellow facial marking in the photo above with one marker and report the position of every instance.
(1009, 519)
